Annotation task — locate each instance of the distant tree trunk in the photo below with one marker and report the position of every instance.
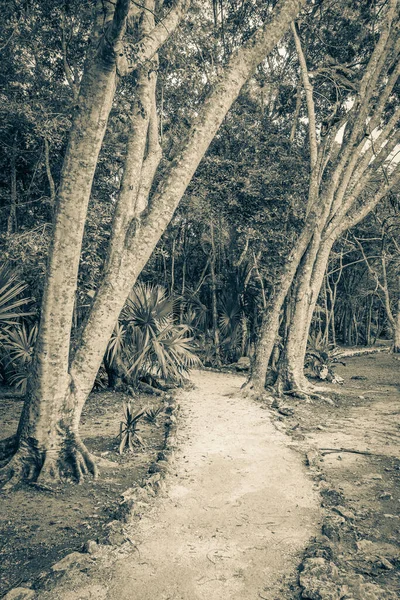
(214, 303)
(49, 174)
(12, 215)
(396, 331)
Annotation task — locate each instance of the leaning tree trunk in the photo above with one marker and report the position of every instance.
(307, 285)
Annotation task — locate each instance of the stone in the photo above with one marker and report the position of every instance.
(115, 533)
(313, 457)
(344, 512)
(243, 364)
(20, 593)
(319, 579)
(332, 528)
(124, 510)
(75, 559)
(286, 411)
(386, 496)
(90, 547)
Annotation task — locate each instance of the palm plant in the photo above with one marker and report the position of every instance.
(128, 434)
(146, 339)
(320, 357)
(18, 344)
(11, 289)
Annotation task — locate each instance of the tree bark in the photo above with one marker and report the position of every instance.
(396, 331)
(47, 442)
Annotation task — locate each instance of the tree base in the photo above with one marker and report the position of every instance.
(46, 468)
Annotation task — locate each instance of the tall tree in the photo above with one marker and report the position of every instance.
(47, 442)
(350, 172)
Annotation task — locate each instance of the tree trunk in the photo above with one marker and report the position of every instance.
(396, 331)
(307, 285)
(48, 442)
(12, 215)
(216, 333)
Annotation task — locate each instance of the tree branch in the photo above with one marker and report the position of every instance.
(308, 88)
(131, 56)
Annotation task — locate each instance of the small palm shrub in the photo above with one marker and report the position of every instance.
(146, 340)
(151, 415)
(128, 431)
(320, 359)
(11, 299)
(17, 344)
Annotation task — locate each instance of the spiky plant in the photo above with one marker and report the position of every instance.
(18, 345)
(11, 299)
(148, 341)
(320, 357)
(152, 414)
(128, 432)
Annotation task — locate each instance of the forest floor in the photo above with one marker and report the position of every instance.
(37, 528)
(353, 448)
(241, 511)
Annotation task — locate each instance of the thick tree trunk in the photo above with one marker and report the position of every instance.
(216, 332)
(270, 324)
(48, 442)
(12, 216)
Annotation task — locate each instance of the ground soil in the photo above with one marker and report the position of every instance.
(242, 513)
(38, 528)
(360, 492)
(238, 511)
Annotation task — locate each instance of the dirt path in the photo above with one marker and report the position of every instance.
(238, 512)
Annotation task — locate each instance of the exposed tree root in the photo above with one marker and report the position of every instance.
(49, 467)
(148, 389)
(18, 468)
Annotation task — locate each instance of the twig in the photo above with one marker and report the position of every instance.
(325, 451)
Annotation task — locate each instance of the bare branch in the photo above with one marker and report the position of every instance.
(308, 88)
(130, 56)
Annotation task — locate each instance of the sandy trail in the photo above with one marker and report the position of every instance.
(238, 511)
